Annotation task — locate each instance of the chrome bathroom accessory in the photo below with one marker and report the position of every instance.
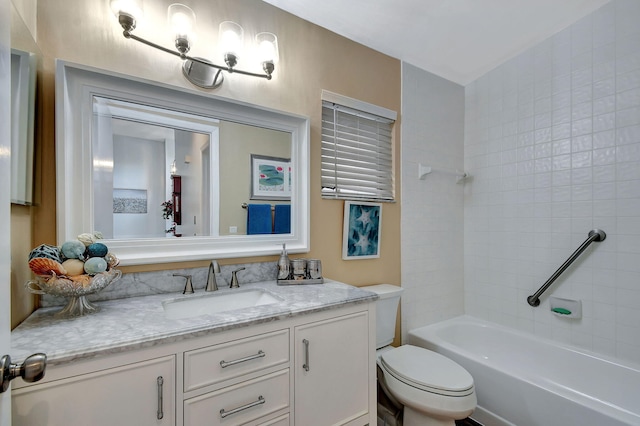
(188, 285)
(594, 235)
(234, 278)
(306, 365)
(31, 370)
(225, 364)
(224, 413)
(214, 268)
(160, 383)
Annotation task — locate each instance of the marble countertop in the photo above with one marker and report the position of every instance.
(137, 322)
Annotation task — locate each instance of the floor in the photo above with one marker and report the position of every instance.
(467, 422)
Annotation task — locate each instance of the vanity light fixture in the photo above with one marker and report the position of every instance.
(200, 71)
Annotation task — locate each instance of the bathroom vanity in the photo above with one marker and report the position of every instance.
(307, 359)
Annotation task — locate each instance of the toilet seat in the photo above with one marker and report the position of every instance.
(428, 371)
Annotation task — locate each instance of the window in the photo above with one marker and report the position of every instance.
(357, 154)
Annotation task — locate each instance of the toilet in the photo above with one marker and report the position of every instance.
(434, 390)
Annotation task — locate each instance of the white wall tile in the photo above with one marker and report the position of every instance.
(432, 217)
(575, 165)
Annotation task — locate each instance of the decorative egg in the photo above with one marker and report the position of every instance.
(97, 250)
(73, 249)
(112, 260)
(95, 265)
(45, 266)
(87, 239)
(46, 251)
(74, 267)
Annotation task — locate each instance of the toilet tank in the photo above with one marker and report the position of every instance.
(386, 312)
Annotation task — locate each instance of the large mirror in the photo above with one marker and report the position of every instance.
(25, 56)
(167, 174)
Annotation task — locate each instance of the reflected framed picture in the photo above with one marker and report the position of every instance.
(270, 178)
(361, 230)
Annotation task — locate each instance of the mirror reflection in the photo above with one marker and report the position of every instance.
(165, 172)
(162, 174)
(23, 95)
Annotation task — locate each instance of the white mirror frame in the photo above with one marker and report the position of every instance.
(76, 85)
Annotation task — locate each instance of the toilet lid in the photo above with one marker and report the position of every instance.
(427, 370)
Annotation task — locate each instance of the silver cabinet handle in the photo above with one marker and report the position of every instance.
(160, 413)
(306, 366)
(260, 401)
(225, 364)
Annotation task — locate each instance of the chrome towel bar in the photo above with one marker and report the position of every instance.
(594, 235)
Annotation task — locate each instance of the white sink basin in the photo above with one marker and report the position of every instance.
(216, 303)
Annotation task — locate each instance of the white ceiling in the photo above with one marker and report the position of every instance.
(459, 40)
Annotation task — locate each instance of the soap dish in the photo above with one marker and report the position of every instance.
(565, 308)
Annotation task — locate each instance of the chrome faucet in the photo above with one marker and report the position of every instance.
(188, 286)
(212, 284)
(234, 279)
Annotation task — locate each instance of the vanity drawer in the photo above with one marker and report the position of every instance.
(280, 421)
(215, 364)
(241, 403)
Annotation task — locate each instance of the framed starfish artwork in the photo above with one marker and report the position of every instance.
(361, 230)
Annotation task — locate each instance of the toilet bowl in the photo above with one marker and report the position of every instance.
(434, 390)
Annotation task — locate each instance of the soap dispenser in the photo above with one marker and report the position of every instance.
(284, 265)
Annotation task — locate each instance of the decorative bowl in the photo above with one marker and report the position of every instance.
(75, 288)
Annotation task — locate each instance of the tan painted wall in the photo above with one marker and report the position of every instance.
(237, 143)
(22, 303)
(311, 59)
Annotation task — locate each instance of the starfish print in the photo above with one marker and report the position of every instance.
(365, 218)
(363, 242)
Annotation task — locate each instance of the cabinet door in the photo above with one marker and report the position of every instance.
(126, 395)
(332, 370)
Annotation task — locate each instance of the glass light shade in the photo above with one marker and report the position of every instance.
(132, 8)
(182, 20)
(231, 38)
(267, 47)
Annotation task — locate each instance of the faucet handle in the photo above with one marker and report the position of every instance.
(188, 286)
(234, 278)
(212, 284)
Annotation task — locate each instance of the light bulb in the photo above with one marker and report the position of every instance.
(231, 38)
(267, 47)
(182, 20)
(131, 8)
(128, 12)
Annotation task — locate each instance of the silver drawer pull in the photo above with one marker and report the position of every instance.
(225, 364)
(306, 365)
(160, 413)
(260, 401)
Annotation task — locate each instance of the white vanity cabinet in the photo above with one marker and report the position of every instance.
(333, 371)
(304, 369)
(140, 393)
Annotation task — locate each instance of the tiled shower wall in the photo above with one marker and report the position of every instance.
(432, 208)
(552, 139)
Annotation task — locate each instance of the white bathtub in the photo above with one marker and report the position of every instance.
(524, 380)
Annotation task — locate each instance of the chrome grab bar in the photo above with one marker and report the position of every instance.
(594, 235)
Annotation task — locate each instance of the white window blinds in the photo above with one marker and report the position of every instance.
(357, 154)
